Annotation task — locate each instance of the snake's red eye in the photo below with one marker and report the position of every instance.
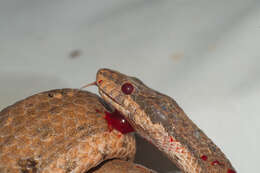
(127, 88)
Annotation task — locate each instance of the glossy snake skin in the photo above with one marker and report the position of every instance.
(160, 120)
(62, 131)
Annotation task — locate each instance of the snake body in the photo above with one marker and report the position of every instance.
(65, 131)
(60, 131)
(160, 120)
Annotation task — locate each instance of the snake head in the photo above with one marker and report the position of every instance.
(142, 106)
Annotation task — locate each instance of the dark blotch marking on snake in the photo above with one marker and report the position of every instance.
(28, 165)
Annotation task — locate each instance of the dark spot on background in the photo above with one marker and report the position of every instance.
(75, 54)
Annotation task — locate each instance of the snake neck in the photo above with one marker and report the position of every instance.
(185, 145)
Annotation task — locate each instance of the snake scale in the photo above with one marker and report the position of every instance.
(65, 130)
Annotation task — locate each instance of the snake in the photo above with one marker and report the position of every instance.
(159, 119)
(67, 130)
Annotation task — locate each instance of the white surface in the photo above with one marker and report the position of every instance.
(205, 54)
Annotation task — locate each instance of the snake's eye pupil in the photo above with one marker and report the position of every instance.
(127, 88)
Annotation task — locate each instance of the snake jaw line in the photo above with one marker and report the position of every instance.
(114, 103)
(132, 118)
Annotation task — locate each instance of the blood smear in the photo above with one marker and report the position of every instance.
(118, 122)
(204, 157)
(216, 162)
(231, 171)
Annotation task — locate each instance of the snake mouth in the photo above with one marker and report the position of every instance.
(126, 113)
(111, 101)
(117, 107)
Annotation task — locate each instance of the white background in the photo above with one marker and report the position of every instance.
(203, 53)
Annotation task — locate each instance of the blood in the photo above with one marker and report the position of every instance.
(171, 139)
(231, 171)
(98, 111)
(127, 88)
(100, 81)
(204, 157)
(215, 163)
(179, 149)
(118, 122)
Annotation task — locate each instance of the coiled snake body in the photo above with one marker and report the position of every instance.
(65, 130)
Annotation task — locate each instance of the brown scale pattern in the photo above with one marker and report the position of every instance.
(159, 119)
(58, 131)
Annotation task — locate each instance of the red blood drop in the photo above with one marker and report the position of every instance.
(215, 163)
(171, 139)
(127, 88)
(118, 122)
(231, 171)
(204, 157)
(100, 81)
